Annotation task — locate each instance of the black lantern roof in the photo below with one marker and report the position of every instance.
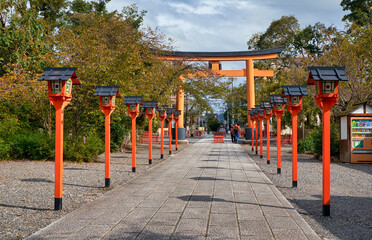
(162, 108)
(327, 74)
(150, 104)
(257, 107)
(107, 91)
(260, 109)
(294, 90)
(132, 99)
(60, 73)
(177, 113)
(277, 99)
(266, 104)
(170, 110)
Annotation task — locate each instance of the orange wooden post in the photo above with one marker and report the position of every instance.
(253, 129)
(267, 112)
(294, 95)
(161, 111)
(256, 134)
(150, 114)
(177, 114)
(107, 95)
(251, 117)
(58, 184)
(60, 81)
(133, 103)
(278, 101)
(278, 145)
(261, 116)
(170, 112)
(326, 81)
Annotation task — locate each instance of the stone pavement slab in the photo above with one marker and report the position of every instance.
(208, 191)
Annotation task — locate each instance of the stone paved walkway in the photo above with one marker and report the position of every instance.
(208, 191)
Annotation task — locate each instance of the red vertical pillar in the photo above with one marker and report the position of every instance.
(150, 140)
(326, 162)
(278, 144)
(253, 136)
(256, 136)
(294, 150)
(107, 149)
(58, 184)
(133, 144)
(261, 124)
(268, 139)
(162, 139)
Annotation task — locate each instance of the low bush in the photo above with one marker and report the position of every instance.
(36, 146)
(75, 150)
(5, 150)
(306, 145)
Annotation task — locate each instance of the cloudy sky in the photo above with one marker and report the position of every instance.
(226, 25)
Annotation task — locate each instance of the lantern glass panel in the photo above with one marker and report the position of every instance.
(328, 87)
(106, 100)
(268, 110)
(68, 86)
(132, 107)
(149, 110)
(279, 106)
(295, 100)
(161, 112)
(317, 87)
(56, 86)
(261, 112)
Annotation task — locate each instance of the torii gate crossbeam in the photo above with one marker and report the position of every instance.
(214, 58)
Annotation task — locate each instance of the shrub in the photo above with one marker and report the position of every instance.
(36, 146)
(318, 141)
(5, 150)
(305, 145)
(75, 150)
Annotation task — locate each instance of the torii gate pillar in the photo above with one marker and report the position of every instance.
(181, 131)
(251, 99)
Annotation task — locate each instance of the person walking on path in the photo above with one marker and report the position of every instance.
(232, 133)
(236, 133)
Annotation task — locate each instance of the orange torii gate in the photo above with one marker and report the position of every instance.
(214, 59)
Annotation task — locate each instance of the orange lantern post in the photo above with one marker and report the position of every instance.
(161, 111)
(326, 81)
(108, 95)
(294, 95)
(251, 113)
(256, 120)
(133, 103)
(278, 101)
(150, 114)
(268, 114)
(176, 116)
(170, 112)
(261, 116)
(60, 81)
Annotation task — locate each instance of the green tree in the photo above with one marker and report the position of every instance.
(360, 11)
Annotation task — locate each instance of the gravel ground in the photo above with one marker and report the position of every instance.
(351, 193)
(27, 187)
